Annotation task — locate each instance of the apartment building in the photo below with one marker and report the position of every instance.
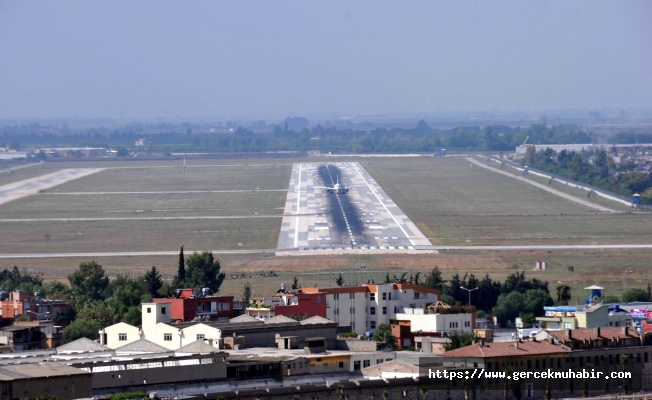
(363, 308)
(33, 307)
(195, 304)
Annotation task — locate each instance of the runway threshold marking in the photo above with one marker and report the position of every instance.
(383, 204)
(296, 227)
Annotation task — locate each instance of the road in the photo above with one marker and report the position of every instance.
(424, 249)
(544, 187)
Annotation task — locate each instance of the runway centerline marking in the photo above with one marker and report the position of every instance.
(383, 204)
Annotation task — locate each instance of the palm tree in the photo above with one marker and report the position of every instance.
(624, 360)
(508, 371)
(563, 293)
(548, 394)
(585, 381)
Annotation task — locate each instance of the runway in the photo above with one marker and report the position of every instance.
(365, 219)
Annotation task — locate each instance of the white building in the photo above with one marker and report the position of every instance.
(449, 323)
(363, 308)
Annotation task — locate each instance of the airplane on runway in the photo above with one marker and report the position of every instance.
(338, 187)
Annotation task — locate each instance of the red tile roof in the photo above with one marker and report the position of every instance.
(579, 335)
(505, 349)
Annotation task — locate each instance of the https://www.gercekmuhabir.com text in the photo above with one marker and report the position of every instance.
(480, 373)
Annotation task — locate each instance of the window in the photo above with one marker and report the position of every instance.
(568, 325)
(366, 363)
(122, 337)
(223, 306)
(372, 310)
(163, 310)
(149, 310)
(372, 296)
(318, 299)
(167, 337)
(384, 296)
(417, 295)
(389, 296)
(373, 324)
(223, 319)
(529, 390)
(395, 309)
(200, 336)
(467, 324)
(356, 365)
(384, 310)
(341, 364)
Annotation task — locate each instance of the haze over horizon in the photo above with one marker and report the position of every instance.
(163, 58)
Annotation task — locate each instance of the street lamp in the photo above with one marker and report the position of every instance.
(468, 290)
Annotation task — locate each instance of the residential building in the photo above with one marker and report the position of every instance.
(159, 328)
(363, 308)
(195, 304)
(33, 307)
(21, 337)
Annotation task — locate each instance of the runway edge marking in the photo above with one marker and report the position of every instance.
(383, 204)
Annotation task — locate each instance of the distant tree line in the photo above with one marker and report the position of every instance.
(294, 134)
(597, 169)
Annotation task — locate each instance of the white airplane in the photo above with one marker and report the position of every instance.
(337, 188)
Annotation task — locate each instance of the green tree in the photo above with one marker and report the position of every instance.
(121, 151)
(457, 340)
(89, 280)
(125, 292)
(204, 271)
(181, 271)
(340, 391)
(153, 282)
(295, 284)
(340, 280)
(514, 304)
(246, 293)
(434, 279)
(383, 334)
(610, 298)
(100, 313)
(635, 294)
(80, 328)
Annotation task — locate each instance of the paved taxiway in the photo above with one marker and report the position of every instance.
(308, 217)
(27, 187)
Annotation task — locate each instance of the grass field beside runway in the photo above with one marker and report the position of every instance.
(133, 235)
(145, 205)
(452, 203)
(172, 178)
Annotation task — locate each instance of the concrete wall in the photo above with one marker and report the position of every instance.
(357, 345)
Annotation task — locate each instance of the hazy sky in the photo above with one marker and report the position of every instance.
(237, 58)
